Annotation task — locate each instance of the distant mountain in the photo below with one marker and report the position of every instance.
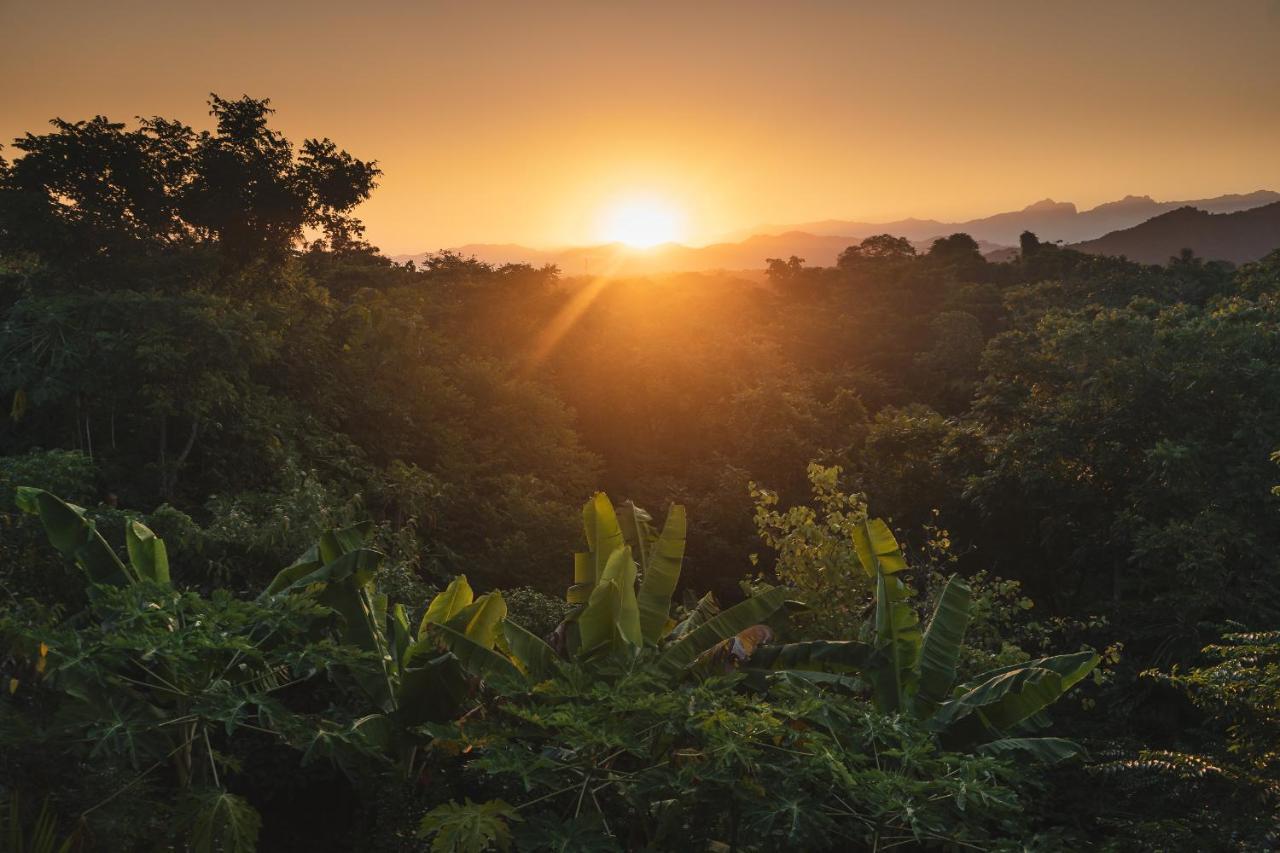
(1241, 236)
(1049, 219)
(820, 243)
(619, 259)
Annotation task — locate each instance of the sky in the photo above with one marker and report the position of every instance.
(544, 122)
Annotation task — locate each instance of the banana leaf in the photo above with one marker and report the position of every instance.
(147, 554)
(830, 656)
(447, 604)
(637, 531)
(537, 659)
(612, 615)
(661, 574)
(897, 626)
(604, 535)
(479, 621)
(1045, 750)
(433, 690)
(476, 659)
(1015, 693)
(706, 609)
(400, 636)
(941, 647)
(680, 654)
(361, 564)
(331, 545)
(76, 537)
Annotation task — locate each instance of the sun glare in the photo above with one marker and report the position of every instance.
(641, 223)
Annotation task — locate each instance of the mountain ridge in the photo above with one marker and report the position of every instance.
(1238, 236)
(821, 242)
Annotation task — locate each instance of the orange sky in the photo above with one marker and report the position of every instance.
(524, 122)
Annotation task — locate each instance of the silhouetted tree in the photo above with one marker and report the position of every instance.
(94, 196)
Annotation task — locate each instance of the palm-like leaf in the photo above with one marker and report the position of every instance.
(756, 609)
(76, 537)
(447, 604)
(530, 652)
(897, 626)
(1046, 750)
(147, 554)
(1003, 697)
(941, 647)
(832, 656)
(661, 574)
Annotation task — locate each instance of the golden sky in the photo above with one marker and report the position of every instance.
(531, 121)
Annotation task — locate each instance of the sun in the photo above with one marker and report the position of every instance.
(641, 222)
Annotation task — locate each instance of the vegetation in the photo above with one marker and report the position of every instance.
(283, 528)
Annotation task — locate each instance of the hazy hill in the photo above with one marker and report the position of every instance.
(1238, 237)
(1050, 220)
(820, 243)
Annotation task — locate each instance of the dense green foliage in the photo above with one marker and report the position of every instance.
(191, 327)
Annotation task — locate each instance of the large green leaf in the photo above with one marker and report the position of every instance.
(834, 656)
(400, 635)
(147, 554)
(361, 565)
(299, 568)
(897, 625)
(661, 574)
(1046, 750)
(331, 545)
(222, 822)
(877, 550)
(941, 647)
(334, 543)
(684, 651)
(433, 688)
(604, 536)
(1072, 668)
(1012, 694)
(480, 620)
(477, 659)
(584, 579)
(598, 622)
(611, 618)
(531, 654)
(637, 532)
(706, 609)
(447, 604)
(76, 537)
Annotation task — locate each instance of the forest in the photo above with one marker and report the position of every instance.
(304, 549)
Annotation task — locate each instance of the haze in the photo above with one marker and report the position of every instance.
(529, 122)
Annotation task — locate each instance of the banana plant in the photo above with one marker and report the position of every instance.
(76, 537)
(914, 673)
(422, 674)
(622, 591)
